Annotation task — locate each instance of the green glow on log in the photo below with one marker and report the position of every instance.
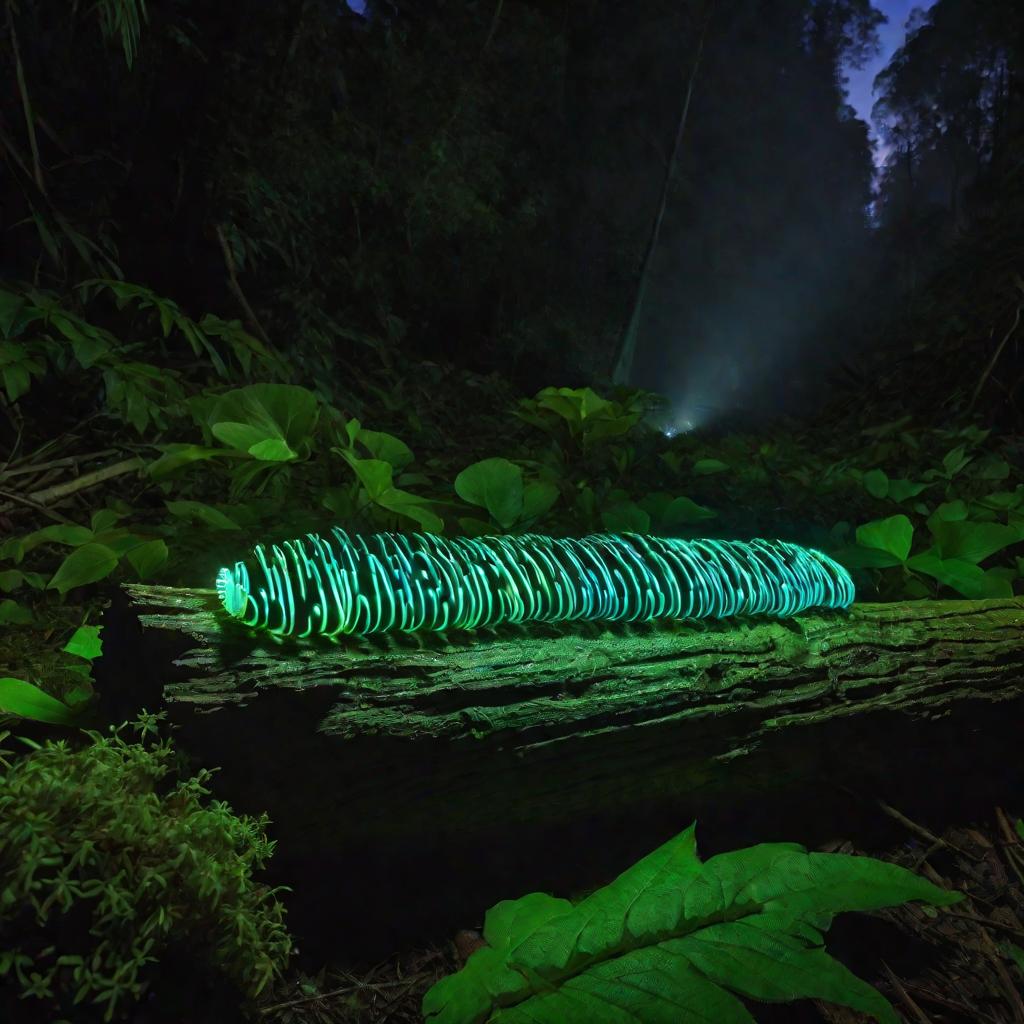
(406, 582)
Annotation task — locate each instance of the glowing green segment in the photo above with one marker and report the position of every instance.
(389, 582)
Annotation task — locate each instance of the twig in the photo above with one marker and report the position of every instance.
(921, 831)
(236, 288)
(995, 357)
(22, 500)
(343, 991)
(988, 922)
(68, 460)
(919, 1015)
(97, 476)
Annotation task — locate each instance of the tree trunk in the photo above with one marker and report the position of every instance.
(400, 743)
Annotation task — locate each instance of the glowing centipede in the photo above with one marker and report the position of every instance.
(383, 582)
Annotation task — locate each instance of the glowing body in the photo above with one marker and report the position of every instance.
(391, 581)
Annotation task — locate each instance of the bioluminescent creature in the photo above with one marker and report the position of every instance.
(358, 584)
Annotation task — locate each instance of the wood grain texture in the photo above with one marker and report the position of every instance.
(473, 757)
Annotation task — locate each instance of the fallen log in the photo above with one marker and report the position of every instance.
(377, 743)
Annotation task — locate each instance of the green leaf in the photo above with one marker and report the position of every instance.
(855, 556)
(901, 489)
(373, 474)
(86, 564)
(538, 497)
(246, 419)
(103, 519)
(12, 579)
(404, 503)
(147, 557)
(14, 614)
(85, 643)
(58, 533)
(705, 467)
(964, 577)
(626, 517)
(198, 511)
(386, 448)
(496, 485)
(683, 512)
(876, 483)
(992, 469)
(11, 305)
(955, 460)
(893, 535)
(972, 542)
(19, 697)
(672, 940)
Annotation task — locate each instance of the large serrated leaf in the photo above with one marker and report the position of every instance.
(675, 940)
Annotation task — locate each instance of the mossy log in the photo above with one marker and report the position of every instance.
(592, 713)
(395, 739)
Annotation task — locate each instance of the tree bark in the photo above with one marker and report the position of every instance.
(543, 694)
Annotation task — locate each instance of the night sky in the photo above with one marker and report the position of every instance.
(891, 35)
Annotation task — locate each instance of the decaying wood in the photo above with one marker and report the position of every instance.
(678, 699)
(447, 772)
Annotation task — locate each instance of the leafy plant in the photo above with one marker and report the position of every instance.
(497, 486)
(105, 867)
(583, 413)
(958, 546)
(672, 939)
(98, 549)
(376, 484)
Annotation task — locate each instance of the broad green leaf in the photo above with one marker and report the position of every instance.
(386, 448)
(992, 469)
(1002, 501)
(626, 517)
(683, 512)
(147, 557)
(14, 614)
(955, 460)
(273, 449)
(901, 489)
(705, 467)
(496, 485)
(85, 643)
(12, 579)
(373, 474)
(948, 512)
(964, 577)
(972, 542)
(247, 418)
(86, 564)
(538, 497)
(671, 940)
(103, 519)
(198, 511)
(58, 533)
(876, 483)
(404, 503)
(893, 535)
(19, 697)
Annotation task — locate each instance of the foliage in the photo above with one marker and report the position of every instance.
(106, 867)
(673, 938)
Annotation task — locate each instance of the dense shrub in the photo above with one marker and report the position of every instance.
(109, 864)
